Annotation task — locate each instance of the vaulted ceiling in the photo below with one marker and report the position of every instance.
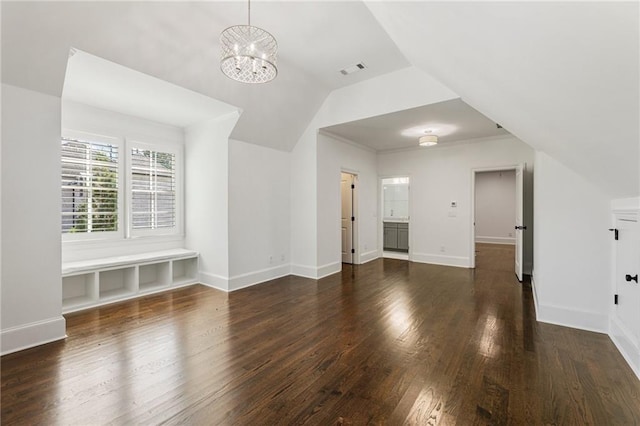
(561, 76)
(179, 42)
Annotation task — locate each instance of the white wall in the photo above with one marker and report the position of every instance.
(571, 248)
(335, 156)
(259, 214)
(85, 118)
(495, 207)
(396, 91)
(31, 277)
(303, 205)
(206, 196)
(439, 175)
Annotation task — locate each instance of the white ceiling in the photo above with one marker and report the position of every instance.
(561, 76)
(133, 93)
(451, 121)
(178, 42)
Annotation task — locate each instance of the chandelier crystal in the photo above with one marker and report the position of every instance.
(248, 53)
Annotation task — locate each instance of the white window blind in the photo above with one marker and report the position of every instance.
(153, 189)
(89, 186)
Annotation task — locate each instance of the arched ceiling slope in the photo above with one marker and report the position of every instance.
(561, 76)
(178, 43)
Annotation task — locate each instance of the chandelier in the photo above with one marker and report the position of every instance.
(248, 53)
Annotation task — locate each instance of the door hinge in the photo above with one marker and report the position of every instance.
(353, 250)
(615, 299)
(353, 186)
(353, 219)
(615, 233)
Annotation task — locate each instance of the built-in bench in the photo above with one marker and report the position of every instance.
(95, 282)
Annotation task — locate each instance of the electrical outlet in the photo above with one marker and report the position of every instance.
(270, 259)
(442, 250)
(282, 257)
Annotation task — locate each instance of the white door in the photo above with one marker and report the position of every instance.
(627, 265)
(520, 227)
(346, 189)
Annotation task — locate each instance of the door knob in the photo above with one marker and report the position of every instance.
(521, 228)
(629, 278)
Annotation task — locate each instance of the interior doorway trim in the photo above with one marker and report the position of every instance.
(474, 171)
(355, 242)
(380, 219)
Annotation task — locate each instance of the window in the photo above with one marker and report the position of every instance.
(153, 189)
(108, 196)
(89, 187)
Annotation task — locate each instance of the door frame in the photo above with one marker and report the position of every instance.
(620, 334)
(474, 171)
(355, 243)
(380, 217)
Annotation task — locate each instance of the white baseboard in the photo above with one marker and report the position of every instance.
(304, 271)
(566, 317)
(368, 256)
(316, 273)
(215, 281)
(583, 320)
(627, 345)
(252, 278)
(33, 334)
(435, 259)
(496, 240)
(329, 269)
(395, 255)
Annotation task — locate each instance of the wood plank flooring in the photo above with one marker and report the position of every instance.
(389, 342)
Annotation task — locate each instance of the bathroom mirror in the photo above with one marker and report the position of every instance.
(396, 199)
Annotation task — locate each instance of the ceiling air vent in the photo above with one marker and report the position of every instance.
(353, 68)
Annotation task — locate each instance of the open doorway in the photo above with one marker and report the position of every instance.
(395, 217)
(498, 219)
(348, 217)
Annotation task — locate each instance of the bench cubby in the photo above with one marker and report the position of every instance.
(95, 282)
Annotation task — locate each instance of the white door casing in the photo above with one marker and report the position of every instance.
(627, 264)
(520, 227)
(346, 222)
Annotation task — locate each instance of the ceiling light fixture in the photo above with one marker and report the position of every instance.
(428, 140)
(248, 53)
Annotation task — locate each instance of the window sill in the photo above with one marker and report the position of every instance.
(75, 250)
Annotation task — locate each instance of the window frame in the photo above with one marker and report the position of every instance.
(160, 146)
(125, 233)
(102, 235)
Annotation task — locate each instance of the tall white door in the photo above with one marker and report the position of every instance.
(346, 185)
(520, 226)
(627, 265)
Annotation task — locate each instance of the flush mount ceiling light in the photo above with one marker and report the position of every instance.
(248, 53)
(428, 140)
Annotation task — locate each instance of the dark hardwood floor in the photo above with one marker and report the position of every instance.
(388, 342)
